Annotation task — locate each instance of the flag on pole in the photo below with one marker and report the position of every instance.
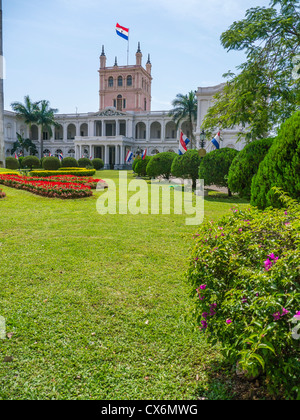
(216, 141)
(144, 154)
(129, 156)
(122, 32)
(60, 157)
(184, 141)
(16, 156)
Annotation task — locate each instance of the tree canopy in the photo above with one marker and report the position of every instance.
(266, 89)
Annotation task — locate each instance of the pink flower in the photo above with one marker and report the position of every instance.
(203, 287)
(276, 316)
(284, 312)
(228, 321)
(297, 316)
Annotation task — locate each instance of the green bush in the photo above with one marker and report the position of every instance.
(245, 165)
(214, 167)
(244, 274)
(51, 163)
(135, 161)
(69, 162)
(187, 166)
(281, 167)
(141, 166)
(160, 165)
(11, 163)
(30, 162)
(98, 164)
(84, 162)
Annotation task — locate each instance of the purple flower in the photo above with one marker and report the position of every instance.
(204, 324)
(244, 300)
(284, 312)
(205, 315)
(276, 316)
(228, 321)
(203, 287)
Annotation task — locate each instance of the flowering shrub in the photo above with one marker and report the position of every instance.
(245, 278)
(47, 188)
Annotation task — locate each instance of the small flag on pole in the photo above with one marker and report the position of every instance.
(184, 141)
(216, 141)
(144, 154)
(122, 32)
(16, 156)
(129, 156)
(60, 157)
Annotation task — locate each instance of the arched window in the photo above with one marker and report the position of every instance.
(111, 82)
(129, 80)
(119, 103)
(34, 132)
(120, 81)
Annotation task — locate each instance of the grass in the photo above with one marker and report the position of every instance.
(97, 304)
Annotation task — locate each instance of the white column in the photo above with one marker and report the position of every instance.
(65, 131)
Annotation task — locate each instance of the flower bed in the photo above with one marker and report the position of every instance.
(87, 181)
(46, 188)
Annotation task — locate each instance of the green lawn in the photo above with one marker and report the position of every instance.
(98, 304)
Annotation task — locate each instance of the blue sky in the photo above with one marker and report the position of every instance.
(52, 48)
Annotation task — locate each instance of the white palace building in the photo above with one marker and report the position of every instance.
(124, 121)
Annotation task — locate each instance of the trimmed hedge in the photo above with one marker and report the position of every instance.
(84, 162)
(51, 163)
(280, 168)
(98, 164)
(69, 162)
(214, 167)
(11, 163)
(30, 162)
(79, 172)
(141, 166)
(245, 166)
(187, 166)
(160, 165)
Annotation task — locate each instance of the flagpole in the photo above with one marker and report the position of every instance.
(128, 50)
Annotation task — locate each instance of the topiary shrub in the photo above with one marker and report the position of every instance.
(98, 164)
(134, 163)
(51, 163)
(244, 275)
(187, 166)
(214, 167)
(141, 166)
(160, 165)
(31, 162)
(245, 165)
(281, 167)
(84, 162)
(11, 163)
(69, 162)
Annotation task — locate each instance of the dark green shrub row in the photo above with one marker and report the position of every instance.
(52, 163)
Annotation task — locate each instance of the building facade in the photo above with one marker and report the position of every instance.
(124, 121)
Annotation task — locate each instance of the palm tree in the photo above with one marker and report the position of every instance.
(27, 111)
(185, 109)
(46, 119)
(24, 144)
